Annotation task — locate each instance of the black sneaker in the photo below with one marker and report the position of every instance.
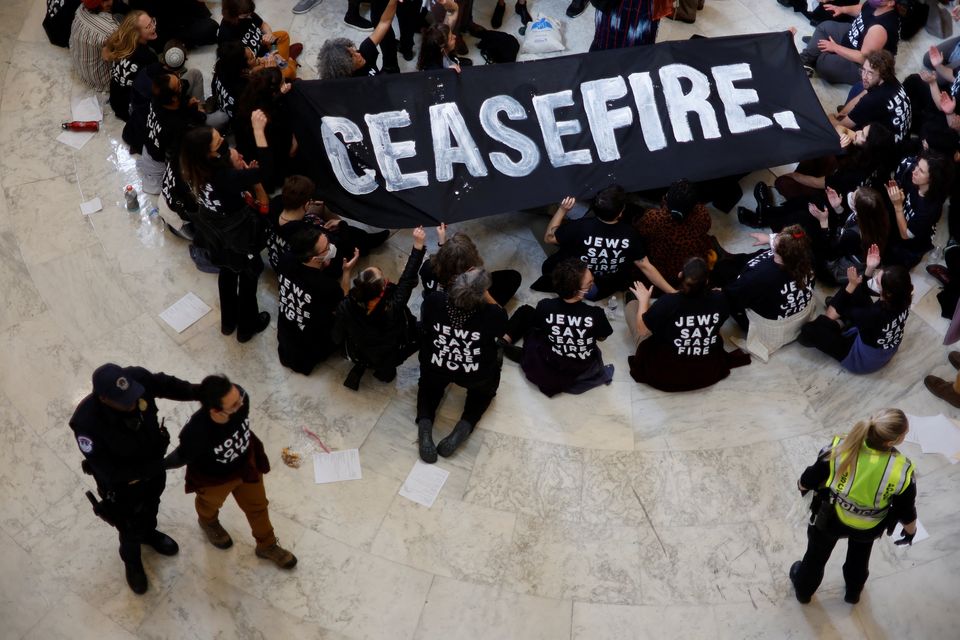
(576, 8)
(263, 321)
(794, 572)
(136, 577)
(163, 544)
(352, 381)
(428, 450)
(748, 218)
(358, 22)
(458, 436)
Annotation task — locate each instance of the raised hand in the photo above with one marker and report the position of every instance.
(836, 202)
(873, 257)
(419, 237)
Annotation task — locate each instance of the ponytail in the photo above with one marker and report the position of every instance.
(878, 432)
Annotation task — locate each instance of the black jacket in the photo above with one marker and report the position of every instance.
(388, 335)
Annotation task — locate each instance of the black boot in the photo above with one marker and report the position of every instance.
(458, 436)
(263, 321)
(794, 572)
(522, 12)
(163, 544)
(749, 218)
(496, 21)
(136, 577)
(428, 450)
(352, 380)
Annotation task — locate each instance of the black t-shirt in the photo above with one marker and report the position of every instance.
(572, 329)
(768, 289)
(123, 73)
(604, 248)
(458, 346)
(217, 450)
(690, 325)
(890, 21)
(166, 128)
(887, 104)
(370, 54)
(59, 19)
(428, 279)
(247, 31)
(921, 213)
(308, 297)
(227, 93)
(879, 326)
(223, 195)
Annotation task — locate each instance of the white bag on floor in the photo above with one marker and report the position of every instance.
(542, 36)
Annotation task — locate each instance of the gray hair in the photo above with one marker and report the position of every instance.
(335, 60)
(468, 288)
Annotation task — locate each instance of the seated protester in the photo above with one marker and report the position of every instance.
(188, 21)
(92, 25)
(864, 223)
(676, 231)
(58, 20)
(231, 73)
(560, 352)
(437, 49)
(128, 54)
(265, 91)
(777, 283)
(242, 24)
(341, 58)
(868, 159)
(172, 113)
(875, 328)
(683, 349)
(227, 225)
(932, 106)
(297, 210)
(819, 13)
(605, 242)
(917, 193)
(373, 323)
(458, 255)
(309, 293)
(882, 98)
(458, 345)
(836, 50)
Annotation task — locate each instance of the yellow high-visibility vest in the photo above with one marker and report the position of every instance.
(862, 494)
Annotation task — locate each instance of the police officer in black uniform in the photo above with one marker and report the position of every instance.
(123, 444)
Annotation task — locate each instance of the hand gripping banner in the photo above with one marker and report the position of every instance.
(424, 148)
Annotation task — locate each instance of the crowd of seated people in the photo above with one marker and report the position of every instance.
(860, 220)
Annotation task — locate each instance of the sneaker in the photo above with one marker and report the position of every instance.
(496, 20)
(954, 358)
(163, 544)
(458, 436)
(136, 577)
(305, 5)
(794, 572)
(263, 321)
(576, 8)
(278, 556)
(428, 450)
(352, 381)
(943, 389)
(296, 49)
(216, 534)
(358, 22)
(522, 12)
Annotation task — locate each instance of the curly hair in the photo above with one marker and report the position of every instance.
(335, 59)
(567, 277)
(458, 254)
(883, 62)
(793, 247)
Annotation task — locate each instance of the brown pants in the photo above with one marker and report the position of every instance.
(252, 500)
(283, 49)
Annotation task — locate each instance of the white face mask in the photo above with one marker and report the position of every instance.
(874, 284)
(850, 201)
(331, 252)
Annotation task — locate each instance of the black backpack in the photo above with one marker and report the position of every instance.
(496, 46)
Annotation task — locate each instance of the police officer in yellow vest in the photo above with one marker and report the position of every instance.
(864, 485)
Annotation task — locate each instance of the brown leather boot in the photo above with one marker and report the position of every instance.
(943, 389)
(216, 534)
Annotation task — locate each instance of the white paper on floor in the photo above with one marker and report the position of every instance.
(920, 536)
(86, 109)
(337, 466)
(184, 312)
(75, 139)
(922, 283)
(936, 434)
(423, 483)
(91, 206)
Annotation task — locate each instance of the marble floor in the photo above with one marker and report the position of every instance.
(623, 513)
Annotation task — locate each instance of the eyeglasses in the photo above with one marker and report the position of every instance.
(867, 72)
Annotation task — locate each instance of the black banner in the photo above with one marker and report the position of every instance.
(421, 148)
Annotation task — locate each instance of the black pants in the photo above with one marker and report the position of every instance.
(238, 296)
(520, 323)
(819, 547)
(388, 46)
(827, 336)
(134, 511)
(479, 395)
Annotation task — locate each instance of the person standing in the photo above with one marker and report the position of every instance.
(626, 23)
(224, 457)
(123, 445)
(864, 486)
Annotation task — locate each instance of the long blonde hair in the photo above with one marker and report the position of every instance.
(123, 42)
(878, 431)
